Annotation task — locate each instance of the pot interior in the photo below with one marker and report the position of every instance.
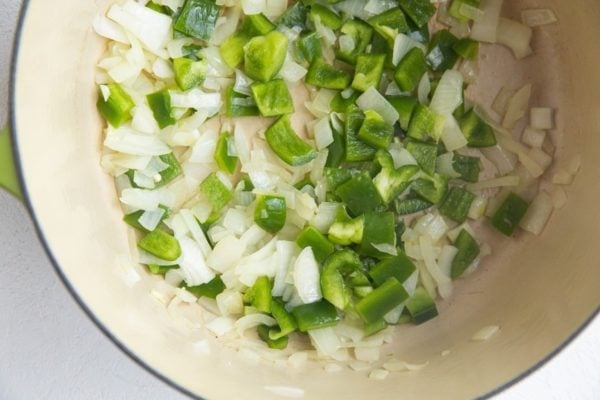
(539, 290)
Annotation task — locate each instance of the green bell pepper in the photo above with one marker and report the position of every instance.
(326, 16)
(424, 153)
(335, 270)
(287, 145)
(457, 204)
(404, 105)
(264, 55)
(378, 228)
(477, 132)
(320, 245)
(361, 34)
(359, 194)
(468, 250)
(425, 123)
(160, 104)
(189, 73)
(320, 314)
(116, 108)
(389, 24)
(232, 49)
(410, 70)
(264, 333)
(391, 183)
(272, 98)
(160, 244)
(419, 11)
(368, 72)
(197, 18)
(356, 150)
(468, 167)
(259, 295)
(411, 206)
(374, 131)
(431, 188)
(441, 55)
(381, 301)
(210, 289)
(421, 306)
(321, 74)
(511, 212)
(466, 48)
(294, 16)
(347, 231)
(308, 47)
(215, 191)
(270, 213)
(400, 267)
(239, 105)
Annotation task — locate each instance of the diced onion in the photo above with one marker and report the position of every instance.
(424, 89)
(150, 219)
(323, 133)
(307, 277)
(449, 93)
(538, 214)
(538, 17)
(452, 136)
(252, 321)
(508, 180)
(484, 29)
(371, 99)
(534, 137)
(226, 254)
(402, 45)
(192, 263)
(221, 326)
(230, 303)
(515, 36)
(517, 107)
(127, 141)
(325, 341)
(541, 118)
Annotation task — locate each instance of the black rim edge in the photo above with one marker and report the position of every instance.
(13, 129)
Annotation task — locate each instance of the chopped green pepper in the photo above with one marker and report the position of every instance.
(441, 55)
(336, 150)
(391, 183)
(320, 245)
(411, 206)
(373, 328)
(404, 105)
(264, 333)
(189, 73)
(511, 212)
(259, 295)
(389, 23)
(477, 132)
(337, 267)
(359, 194)
(197, 18)
(160, 244)
(382, 300)
(456, 9)
(356, 150)
(160, 269)
(308, 47)
(400, 267)
(287, 145)
(232, 49)
(379, 228)
(160, 104)
(239, 105)
(172, 171)
(457, 204)
(368, 72)
(466, 48)
(327, 76)
(284, 319)
(375, 131)
(116, 107)
(361, 34)
(320, 314)
(421, 306)
(468, 167)
(264, 55)
(431, 188)
(347, 232)
(216, 192)
(133, 219)
(326, 16)
(468, 250)
(340, 104)
(225, 161)
(425, 123)
(424, 153)
(270, 213)
(272, 98)
(294, 16)
(210, 289)
(419, 11)
(410, 70)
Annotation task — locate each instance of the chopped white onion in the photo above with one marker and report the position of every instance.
(424, 89)
(192, 263)
(538, 17)
(534, 137)
(509, 180)
(325, 341)
(402, 45)
(127, 141)
(371, 99)
(541, 118)
(221, 326)
(323, 133)
(449, 93)
(484, 29)
(252, 321)
(150, 219)
(538, 214)
(307, 277)
(515, 36)
(517, 107)
(452, 136)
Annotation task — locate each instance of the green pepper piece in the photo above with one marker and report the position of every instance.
(210, 289)
(356, 150)
(116, 108)
(379, 228)
(340, 104)
(404, 105)
(284, 319)
(382, 300)
(308, 47)
(159, 8)
(477, 132)
(264, 55)
(197, 18)
(336, 176)
(189, 73)
(391, 183)
(337, 267)
(226, 162)
(410, 70)
(421, 306)
(511, 212)
(466, 48)
(431, 188)
(239, 105)
(375, 131)
(259, 295)
(455, 9)
(375, 327)
(326, 15)
(320, 245)
(457, 204)
(320, 314)
(400, 267)
(294, 16)
(327, 76)
(369, 69)
(347, 232)
(217, 194)
(232, 49)
(424, 153)
(133, 219)
(361, 34)
(264, 333)
(160, 269)
(160, 244)
(419, 11)
(359, 194)
(287, 145)
(441, 55)
(411, 206)
(337, 150)
(171, 172)
(468, 167)
(160, 104)
(272, 98)
(425, 123)
(270, 213)
(389, 23)
(468, 250)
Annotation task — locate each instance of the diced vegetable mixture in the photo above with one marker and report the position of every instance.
(316, 168)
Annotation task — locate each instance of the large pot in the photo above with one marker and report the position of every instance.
(540, 291)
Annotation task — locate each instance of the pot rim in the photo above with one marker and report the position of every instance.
(104, 329)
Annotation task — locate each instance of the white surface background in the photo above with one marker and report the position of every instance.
(50, 350)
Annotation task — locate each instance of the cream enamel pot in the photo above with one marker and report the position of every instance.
(539, 290)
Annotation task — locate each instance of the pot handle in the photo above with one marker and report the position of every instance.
(8, 171)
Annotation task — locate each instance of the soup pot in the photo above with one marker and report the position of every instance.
(540, 291)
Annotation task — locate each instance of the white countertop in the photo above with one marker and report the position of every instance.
(50, 350)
